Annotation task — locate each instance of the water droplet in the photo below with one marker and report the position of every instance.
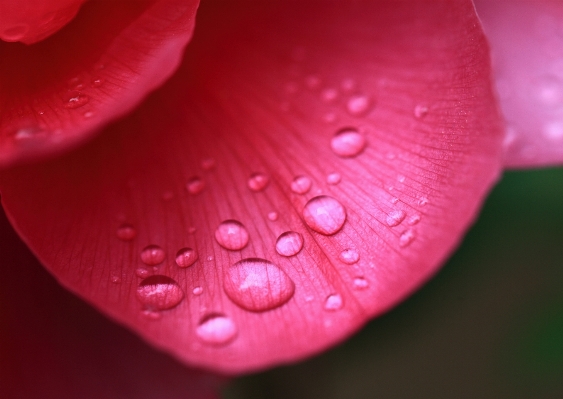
(115, 279)
(191, 230)
(349, 256)
(142, 272)
(97, 82)
(210, 258)
(217, 329)
(401, 178)
(329, 117)
(548, 90)
(232, 235)
(76, 101)
(258, 181)
(414, 219)
(195, 185)
(208, 164)
(348, 84)
(301, 185)
(159, 293)
(333, 302)
(395, 217)
(420, 111)
(360, 283)
(553, 130)
(273, 216)
(291, 88)
(152, 255)
(29, 132)
(394, 200)
(126, 232)
(324, 215)
(88, 114)
(329, 95)
(313, 82)
(289, 243)
(358, 105)
(348, 142)
(197, 291)
(151, 314)
(186, 257)
(167, 195)
(333, 178)
(14, 33)
(257, 285)
(422, 201)
(406, 238)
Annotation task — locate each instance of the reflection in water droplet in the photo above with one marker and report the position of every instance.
(97, 82)
(258, 181)
(333, 178)
(301, 184)
(329, 95)
(420, 111)
(151, 314)
(217, 329)
(360, 283)
(324, 215)
(142, 272)
(231, 234)
(152, 255)
(333, 302)
(358, 105)
(29, 132)
(186, 257)
(195, 185)
(197, 291)
(257, 285)
(14, 33)
(289, 243)
(126, 232)
(348, 142)
(77, 101)
(395, 217)
(349, 256)
(406, 238)
(159, 293)
(414, 219)
(273, 216)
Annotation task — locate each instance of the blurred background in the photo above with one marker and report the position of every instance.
(489, 325)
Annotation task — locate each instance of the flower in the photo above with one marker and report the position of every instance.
(305, 169)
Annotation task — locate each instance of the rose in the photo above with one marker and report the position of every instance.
(404, 239)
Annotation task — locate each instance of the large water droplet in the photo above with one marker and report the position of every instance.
(347, 143)
(333, 302)
(77, 100)
(258, 285)
(406, 238)
(159, 293)
(186, 257)
(217, 329)
(301, 184)
(231, 234)
(349, 256)
(289, 243)
(195, 185)
(395, 217)
(258, 181)
(152, 255)
(324, 214)
(126, 232)
(358, 105)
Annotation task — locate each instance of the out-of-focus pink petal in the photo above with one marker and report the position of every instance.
(29, 21)
(54, 346)
(365, 129)
(527, 47)
(55, 94)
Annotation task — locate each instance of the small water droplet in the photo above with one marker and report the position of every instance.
(349, 256)
(358, 105)
(313, 82)
(291, 88)
(289, 243)
(231, 234)
(159, 293)
(324, 215)
(77, 100)
(152, 255)
(414, 219)
(401, 178)
(333, 178)
(186, 257)
(216, 329)
(97, 82)
(333, 302)
(151, 314)
(115, 279)
(348, 85)
(14, 33)
(191, 230)
(141, 272)
(548, 90)
(394, 200)
(553, 130)
(420, 111)
(329, 117)
(195, 185)
(273, 216)
(422, 201)
(258, 181)
(29, 132)
(126, 232)
(360, 283)
(395, 217)
(257, 285)
(329, 95)
(347, 143)
(301, 185)
(88, 114)
(197, 291)
(167, 195)
(210, 258)
(406, 238)
(309, 298)
(208, 163)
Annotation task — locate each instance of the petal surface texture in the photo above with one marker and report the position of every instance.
(57, 93)
(306, 169)
(54, 346)
(527, 48)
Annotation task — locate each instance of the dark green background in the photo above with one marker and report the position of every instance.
(489, 325)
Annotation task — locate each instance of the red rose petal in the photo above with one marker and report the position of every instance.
(263, 89)
(527, 46)
(55, 94)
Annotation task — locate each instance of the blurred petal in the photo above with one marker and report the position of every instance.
(527, 46)
(55, 94)
(368, 130)
(54, 346)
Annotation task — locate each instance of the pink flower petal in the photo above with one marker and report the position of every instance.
(264, 89)
(527, 46)
(55, 94)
